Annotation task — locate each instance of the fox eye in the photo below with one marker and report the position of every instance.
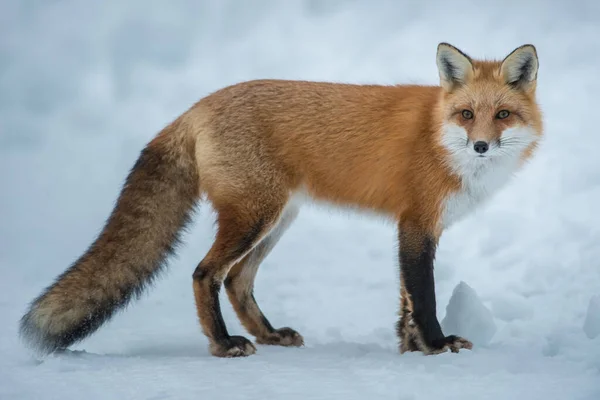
(466, 114)
(502, 114)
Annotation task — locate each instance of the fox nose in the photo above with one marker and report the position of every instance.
(481, 146)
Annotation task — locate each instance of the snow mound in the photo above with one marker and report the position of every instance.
(468, 317)
(591, 325)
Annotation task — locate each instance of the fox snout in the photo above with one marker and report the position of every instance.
(482, 137)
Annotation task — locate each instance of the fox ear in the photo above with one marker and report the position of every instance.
(454, 66)
(519, 68)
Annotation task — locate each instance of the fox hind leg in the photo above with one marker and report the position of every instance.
(240, 229)
(240, 287)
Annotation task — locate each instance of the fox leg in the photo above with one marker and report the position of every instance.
(240, 286)
(240, 229)
(418, 327)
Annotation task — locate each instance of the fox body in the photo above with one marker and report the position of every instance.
(424, 156)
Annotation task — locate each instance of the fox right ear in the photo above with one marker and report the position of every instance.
(454, 66)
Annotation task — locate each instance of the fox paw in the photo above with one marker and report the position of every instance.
(452, 343)
(437, 346)
(412, 339)
(282, 337)
(233, 346)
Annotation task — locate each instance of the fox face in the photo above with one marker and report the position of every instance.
(488, 109)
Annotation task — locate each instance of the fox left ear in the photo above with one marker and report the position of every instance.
(520, 67)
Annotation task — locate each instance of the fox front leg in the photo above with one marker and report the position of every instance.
(418, 327)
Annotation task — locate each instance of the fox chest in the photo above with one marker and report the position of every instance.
(477, 187)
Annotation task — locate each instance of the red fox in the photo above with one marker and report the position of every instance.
(424, 156)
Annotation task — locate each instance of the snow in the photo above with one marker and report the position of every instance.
(468, 317)
(84, 85)
(591, 325)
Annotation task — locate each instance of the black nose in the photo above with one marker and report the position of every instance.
(481, 147)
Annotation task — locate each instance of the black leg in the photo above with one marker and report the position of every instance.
(418, 328)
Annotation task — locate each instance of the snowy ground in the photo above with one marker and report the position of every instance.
(84, 85)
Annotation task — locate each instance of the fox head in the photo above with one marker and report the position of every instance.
(488, 109)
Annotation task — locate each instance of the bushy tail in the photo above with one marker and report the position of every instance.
(155, 204)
